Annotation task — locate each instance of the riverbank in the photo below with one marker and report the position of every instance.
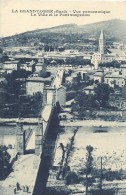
(94, 123)
(14, 121)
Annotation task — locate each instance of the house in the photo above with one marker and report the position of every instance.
(99, 76)
(23, 66)
(123, 69)
(115, 80)
(31, 66)
(28, 66)
(40, 66)
(36, 84)
(82, 73)
(89, 90)
(9, 66)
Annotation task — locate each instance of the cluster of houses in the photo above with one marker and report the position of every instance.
(103, 55)
(115, 78)
(40, 80)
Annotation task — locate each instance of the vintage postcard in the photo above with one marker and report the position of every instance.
(62, 97)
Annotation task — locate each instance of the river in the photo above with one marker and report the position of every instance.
(110, 144)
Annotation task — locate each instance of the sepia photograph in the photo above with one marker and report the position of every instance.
(62, 97)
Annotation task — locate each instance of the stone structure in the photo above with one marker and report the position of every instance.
(102, 43)
(39, 138)
(102, 56)
(20, 139)
(53, 95)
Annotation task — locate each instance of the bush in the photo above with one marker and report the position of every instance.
(71, 178)
(57, 191)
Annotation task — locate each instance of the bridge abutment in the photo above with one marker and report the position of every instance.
(39, 138)
(20, 139)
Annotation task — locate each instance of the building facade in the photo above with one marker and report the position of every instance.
(102, 56)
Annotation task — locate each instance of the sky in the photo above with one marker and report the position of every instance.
(12, 21)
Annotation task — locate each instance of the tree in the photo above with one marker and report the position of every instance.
(1, 50)
(4, 161)
(71, 178)
(89, 166)
(78, 78)
(62, 160)
(66, 154)
(102, 92)
(114, 64)
(82, 103)
(46, 48)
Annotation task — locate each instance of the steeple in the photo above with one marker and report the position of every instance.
(102, 43)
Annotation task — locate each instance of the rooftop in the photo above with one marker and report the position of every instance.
(38, 79)
(98, 74)
(91, 87)
(114, 76)
(11, 62)
(39, 64)
(123, 66)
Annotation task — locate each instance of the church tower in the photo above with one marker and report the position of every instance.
(102, 43)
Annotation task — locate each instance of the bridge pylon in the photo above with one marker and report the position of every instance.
(39, 137)
(20, 139)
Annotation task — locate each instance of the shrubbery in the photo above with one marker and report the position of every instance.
(71, 178)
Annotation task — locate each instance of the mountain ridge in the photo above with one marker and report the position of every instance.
(114, 29)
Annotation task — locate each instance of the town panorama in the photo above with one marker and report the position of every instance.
(63, 110)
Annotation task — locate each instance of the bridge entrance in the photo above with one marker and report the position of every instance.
(24, 135)
(23, 138)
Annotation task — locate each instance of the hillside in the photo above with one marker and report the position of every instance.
(114, 29)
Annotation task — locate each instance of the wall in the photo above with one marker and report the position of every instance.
(61, 96)
(33, 87)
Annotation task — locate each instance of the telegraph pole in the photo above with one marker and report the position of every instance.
(101, 175)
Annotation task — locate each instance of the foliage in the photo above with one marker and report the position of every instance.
(89, 167)
(66, 155)
(24, 106)
(77, 61)
(48, 48)
(71, 178)
(1, 50)
(12, 85)
(70, 95)
(32, 106)
(4, 161)
(89, 160)
(113, 64)
(102, 92)
(83, 102)
(103, 192)
(57, 191)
